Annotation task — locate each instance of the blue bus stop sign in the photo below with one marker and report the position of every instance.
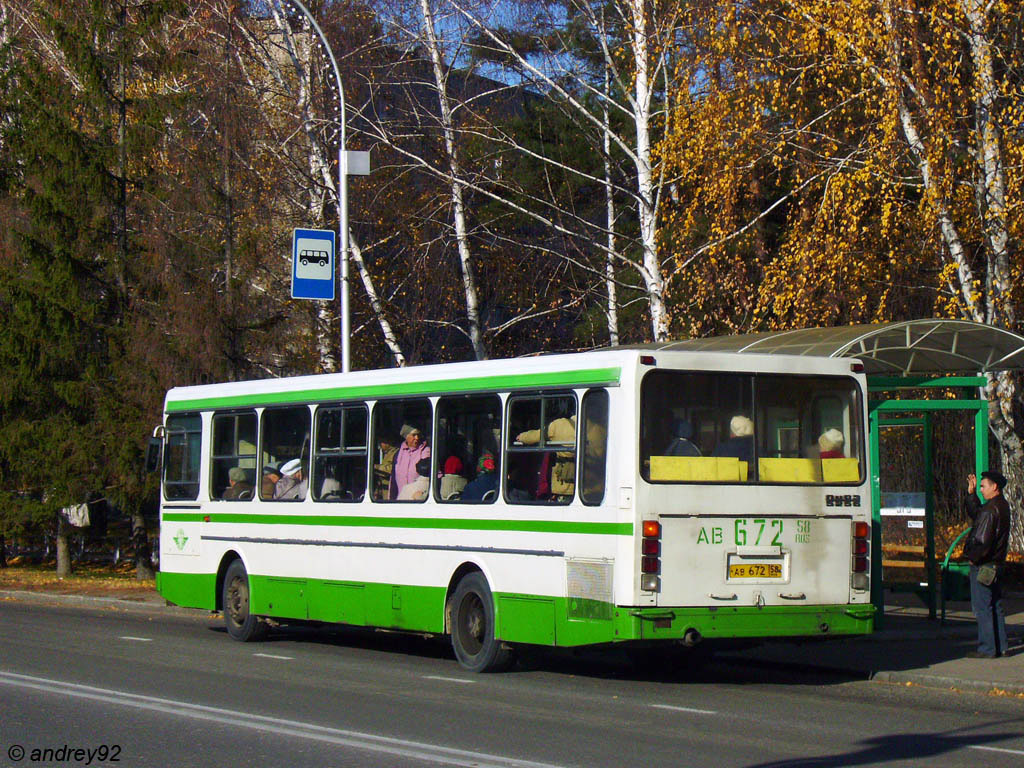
(313, 264)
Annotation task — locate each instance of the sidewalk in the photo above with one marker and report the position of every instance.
(911, 648)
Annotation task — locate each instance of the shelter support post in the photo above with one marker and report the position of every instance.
(877, 594)
(929, 514)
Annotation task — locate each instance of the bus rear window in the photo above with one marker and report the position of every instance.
(750, 428)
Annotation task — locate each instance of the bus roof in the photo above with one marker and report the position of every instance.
(602, 367)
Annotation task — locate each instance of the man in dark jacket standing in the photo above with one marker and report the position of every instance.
(986, 549)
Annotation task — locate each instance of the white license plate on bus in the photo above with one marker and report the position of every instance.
(756, 569)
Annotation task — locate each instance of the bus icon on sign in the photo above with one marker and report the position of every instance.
(323, 258)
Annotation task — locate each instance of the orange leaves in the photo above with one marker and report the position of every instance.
(802, 200)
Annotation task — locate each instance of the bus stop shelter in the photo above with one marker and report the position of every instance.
(915, 354)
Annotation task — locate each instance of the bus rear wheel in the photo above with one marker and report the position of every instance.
(241, 624)
(472, 624)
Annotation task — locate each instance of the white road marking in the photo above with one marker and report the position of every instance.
(274, 656)
(999, 749)
(685, 709)
(137, 639)
(355, 739)
(448, 679)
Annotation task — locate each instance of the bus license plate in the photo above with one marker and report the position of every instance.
(755, 570)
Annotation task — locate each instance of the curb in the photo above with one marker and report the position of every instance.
(938, 682)
(146, 604)
(945, 683)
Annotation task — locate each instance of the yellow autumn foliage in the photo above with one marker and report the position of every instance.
(801, 197)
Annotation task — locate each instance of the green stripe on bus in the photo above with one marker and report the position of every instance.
(585, 378)
(367, 521)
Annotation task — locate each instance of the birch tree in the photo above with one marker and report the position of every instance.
(457, 182)
(284, 63)
(632, 40)
(432, 120)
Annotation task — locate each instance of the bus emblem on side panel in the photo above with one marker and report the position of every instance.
(181, 539)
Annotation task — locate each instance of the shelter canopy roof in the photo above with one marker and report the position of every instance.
(897, 349)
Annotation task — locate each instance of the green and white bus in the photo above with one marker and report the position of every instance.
(628, 495)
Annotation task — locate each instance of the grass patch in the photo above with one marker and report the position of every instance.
(96, 580)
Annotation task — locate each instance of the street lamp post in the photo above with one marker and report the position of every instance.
(342, 189)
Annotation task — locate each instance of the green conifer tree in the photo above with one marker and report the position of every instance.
(76, 146)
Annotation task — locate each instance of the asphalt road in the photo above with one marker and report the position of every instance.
(170, 689)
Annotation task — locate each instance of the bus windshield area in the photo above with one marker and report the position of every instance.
(701, 427)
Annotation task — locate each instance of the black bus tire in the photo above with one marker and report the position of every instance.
(472, 626)
(241, 624)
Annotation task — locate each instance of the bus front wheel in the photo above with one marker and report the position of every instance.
(240, 623)
(472, 624)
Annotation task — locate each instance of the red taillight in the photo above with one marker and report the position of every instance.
(648, 360)
(650, 549)
(861, 532)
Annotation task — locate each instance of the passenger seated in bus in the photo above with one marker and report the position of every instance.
(540, 489)
(420, 487)
(271, 475)
(410, 453)
(238, 488)
(558, 474)
(741, 440)
(331, 488)
(528, 477)
(594, 449)
(452, 481)
(560, 432)
(486, 479)
(382, 471)
(831, 444)
(682, 443)
(293, 483)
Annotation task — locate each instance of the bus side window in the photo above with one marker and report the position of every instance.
(595, 446)
(234, 448)
(402, 439)
(284, 444)
(340, 454)
(468, 437)
(182, 457)
(541, 449)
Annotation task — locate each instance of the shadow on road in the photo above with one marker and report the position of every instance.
(707, 663)
(914, 747)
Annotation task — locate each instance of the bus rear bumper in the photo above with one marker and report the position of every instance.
(751, 621)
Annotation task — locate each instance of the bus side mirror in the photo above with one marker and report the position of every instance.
(153, 451)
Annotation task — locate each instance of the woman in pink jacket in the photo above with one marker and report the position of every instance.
(413, 450)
